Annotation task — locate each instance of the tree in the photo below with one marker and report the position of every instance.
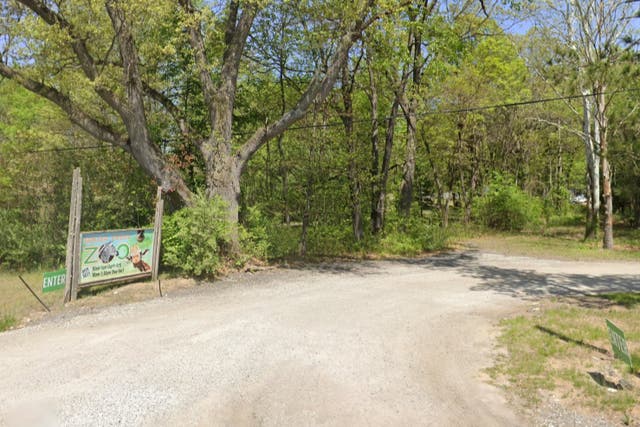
(594, 31)
(38, 149)
(102, 63)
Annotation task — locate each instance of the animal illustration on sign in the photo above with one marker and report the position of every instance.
(135, 256)
(107, 252)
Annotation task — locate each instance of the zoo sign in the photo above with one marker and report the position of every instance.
(107, 256)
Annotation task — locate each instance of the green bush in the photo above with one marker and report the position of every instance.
(27, 245)
(411, 236)
(330, 240)
(195, 239)
(283, 239)
(254, 235)
(506, 207)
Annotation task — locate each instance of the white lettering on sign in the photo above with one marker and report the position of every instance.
(619, 342)
(53, 281)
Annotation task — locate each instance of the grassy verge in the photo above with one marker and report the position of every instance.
(558, 346)
(18, 307)
(7, 322)
(16, 302)
(562, 242)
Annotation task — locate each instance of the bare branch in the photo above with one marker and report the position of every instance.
(577, 133)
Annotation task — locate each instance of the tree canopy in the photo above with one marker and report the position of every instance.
(319, 113)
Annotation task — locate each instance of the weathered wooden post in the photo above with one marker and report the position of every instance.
(157, 235)
(72, 263)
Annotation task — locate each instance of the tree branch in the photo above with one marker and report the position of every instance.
(92, 126)
(171, 108)
(79, 47)
(319, 87)
(202, 63)
(235, 40)
(143, 149)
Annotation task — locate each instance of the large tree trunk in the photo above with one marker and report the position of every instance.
(601, 121)
(607, 194)
(593, 167)
(380, 194)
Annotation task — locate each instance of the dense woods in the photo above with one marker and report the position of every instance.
(318, 127)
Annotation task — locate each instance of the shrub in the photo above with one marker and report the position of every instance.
(196, 238)
(506, 207)
(284, 240)
(254, 236)
(27, 245)
(330, 240)
(411, 236)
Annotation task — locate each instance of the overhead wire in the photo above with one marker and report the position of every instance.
(383, 119)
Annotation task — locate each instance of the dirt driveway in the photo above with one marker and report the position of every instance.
(372, 343)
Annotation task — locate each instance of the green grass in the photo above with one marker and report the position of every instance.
(564, 241)
(17, 303)
(6, 322)
(556, 348)
(626, 299)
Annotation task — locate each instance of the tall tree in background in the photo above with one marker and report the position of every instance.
(594, 31)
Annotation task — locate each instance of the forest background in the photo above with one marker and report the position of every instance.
(315, 128)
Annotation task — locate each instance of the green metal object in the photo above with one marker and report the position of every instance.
(619, 344)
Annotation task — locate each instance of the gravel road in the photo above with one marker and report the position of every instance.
(368, 343)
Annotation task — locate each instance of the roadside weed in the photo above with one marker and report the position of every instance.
(6, 322)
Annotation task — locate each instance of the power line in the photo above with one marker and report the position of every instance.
(421, 115)
(464, 109)
(55, 150)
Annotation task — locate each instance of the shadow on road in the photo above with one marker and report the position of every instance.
(518, 283)
(531, 284)
(527, 283)
(357, 267)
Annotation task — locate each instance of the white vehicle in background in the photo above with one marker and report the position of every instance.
(579, 199)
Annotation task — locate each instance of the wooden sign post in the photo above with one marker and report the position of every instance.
(72, 264)
(108, 256)
(157, 235)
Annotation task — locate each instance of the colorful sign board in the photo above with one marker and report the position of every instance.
(619, 343)
(53, 280)
(106, 256)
